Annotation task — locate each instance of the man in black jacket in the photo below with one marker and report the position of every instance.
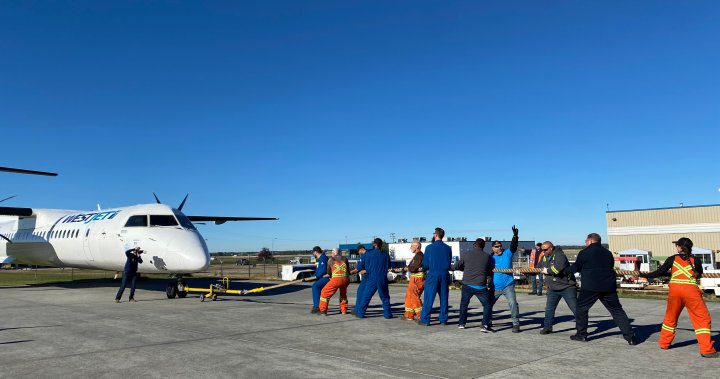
(477, 267)
(560, 282)
(596, 266)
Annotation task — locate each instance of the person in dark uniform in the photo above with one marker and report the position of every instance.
(596, 266)
(360, 271)
(377, 264)
(321, 276)
(130, 273)
(436, 263)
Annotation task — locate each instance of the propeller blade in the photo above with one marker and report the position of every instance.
(8, 198)
(29, 172)
(183, 202)
(156, 198)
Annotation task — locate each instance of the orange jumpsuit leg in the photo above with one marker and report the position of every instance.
(420, 285)
(413, 304)
(343, 296)
(675, 305)
(700, 317)
(327, 292)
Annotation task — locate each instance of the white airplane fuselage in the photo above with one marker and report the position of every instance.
(99, 239)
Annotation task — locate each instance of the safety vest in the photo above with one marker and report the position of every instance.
(682, 271)
(532, 257)
(339, 270)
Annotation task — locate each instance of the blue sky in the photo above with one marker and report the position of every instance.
(364, 118)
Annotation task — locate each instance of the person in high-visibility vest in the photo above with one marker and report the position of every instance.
(685, 271)
(536, 256)
(338, 269)
(416, 283)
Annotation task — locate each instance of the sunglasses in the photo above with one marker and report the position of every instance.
(497, 246)
(548, 249)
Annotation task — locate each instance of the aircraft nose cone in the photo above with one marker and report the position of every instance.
(198, 260)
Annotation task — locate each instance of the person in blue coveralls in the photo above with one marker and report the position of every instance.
(436, 264)
(321, 275)
(377, 264)
(360, 271)
(505, 283)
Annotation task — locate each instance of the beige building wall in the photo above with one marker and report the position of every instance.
(655, 229)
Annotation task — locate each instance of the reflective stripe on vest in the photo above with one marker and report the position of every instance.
(417, 275)
(680, 274)
(339, 270)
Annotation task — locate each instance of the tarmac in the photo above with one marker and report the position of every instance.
(77, 330)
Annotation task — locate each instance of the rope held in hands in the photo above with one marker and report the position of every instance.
(618, 272)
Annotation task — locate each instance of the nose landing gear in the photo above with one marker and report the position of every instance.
(176, 288)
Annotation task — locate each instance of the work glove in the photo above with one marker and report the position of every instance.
(515, 231)
(545, 271)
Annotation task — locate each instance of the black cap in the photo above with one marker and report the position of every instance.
(685, 242)
(317, 248)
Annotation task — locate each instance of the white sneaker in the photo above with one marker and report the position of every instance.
(485, 329)
(461, 326)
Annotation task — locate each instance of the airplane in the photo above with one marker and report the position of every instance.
(98, 239)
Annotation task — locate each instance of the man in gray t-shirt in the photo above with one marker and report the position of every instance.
(477, 267)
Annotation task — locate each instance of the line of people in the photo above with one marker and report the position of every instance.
(429, 277)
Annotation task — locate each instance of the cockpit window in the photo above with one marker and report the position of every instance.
(184, 221)
(162, 220)
(137, 221)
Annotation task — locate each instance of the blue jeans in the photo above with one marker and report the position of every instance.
(483, 295)
(316, 289)
(537, 283)
(509, 293)
(553, 299)
(132, 277)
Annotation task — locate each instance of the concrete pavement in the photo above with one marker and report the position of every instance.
(77, 330)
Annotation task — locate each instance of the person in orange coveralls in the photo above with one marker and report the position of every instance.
(338, 269)
(416, 283)
(685, 271)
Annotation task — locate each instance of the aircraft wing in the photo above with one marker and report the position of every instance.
(221, 219)
(11, 211)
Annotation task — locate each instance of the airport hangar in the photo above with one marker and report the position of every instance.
(653, 230)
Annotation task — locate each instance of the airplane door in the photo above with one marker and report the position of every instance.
(86, 245)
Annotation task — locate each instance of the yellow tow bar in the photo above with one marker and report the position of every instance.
(223, 288)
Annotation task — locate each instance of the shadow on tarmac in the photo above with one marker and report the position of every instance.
(29, 327)
(14, 342)
(154, 284)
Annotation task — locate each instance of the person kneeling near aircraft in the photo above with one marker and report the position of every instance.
(130, 273)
